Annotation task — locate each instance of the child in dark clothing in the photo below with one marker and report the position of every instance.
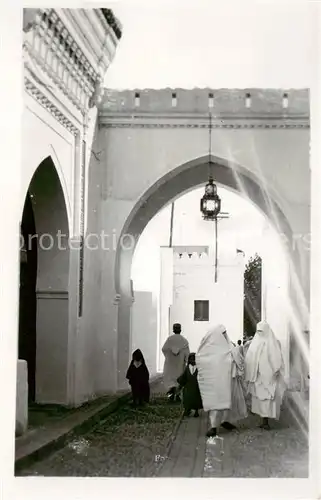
(138, 377)
(191, 394)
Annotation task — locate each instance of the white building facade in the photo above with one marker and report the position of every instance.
(190, 296)
(66, 54)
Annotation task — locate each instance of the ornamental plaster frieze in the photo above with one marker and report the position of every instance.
(46, 103)
(41, 80)
(54, 50)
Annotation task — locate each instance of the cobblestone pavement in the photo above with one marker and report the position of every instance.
(134, 443)
(252, 452)
(187, 455)
(249, 452)
(127, 443)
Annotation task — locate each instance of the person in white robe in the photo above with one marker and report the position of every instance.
(176, 352)
(240, 346)
(264, 374)
(220, 368)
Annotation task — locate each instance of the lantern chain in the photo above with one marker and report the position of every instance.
(210, 146)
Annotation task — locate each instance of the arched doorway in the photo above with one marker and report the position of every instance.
(27, 297)
(44, 278)
(170, 186)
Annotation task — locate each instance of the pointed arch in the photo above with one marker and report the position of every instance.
(44, 304)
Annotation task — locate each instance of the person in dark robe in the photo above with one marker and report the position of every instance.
(138, 377)
(191, 394)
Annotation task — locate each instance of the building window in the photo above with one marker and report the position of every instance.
(201, 310)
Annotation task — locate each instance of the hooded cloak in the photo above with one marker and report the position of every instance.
(264, 372)
(176, 352)
(214, 364)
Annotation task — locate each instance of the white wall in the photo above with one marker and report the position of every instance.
(194, 280)
(275, 289)
(44, 136)
(144, 328)
(165, 299)
(158, 160)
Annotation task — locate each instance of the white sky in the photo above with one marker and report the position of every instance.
(192, 44)
(170, 44)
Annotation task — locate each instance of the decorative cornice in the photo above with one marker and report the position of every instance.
(42, 99)
(113, 22)
(57, 82)
(59, 34)
(74, 48)
(54, 50)
(221, 124)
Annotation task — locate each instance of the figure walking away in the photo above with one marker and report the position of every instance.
(138, 377)
(191, 393)
(239, 343)
(176, 352)
(264, 373)
(220, 367)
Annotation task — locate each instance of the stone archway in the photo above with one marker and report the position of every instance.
(44, 279)
(170, 186)
(27, 296)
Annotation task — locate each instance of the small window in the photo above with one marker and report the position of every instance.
(201, 310)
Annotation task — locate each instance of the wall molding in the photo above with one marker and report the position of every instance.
(55, 78)
(45, 102)
(53, 48)
(277, 124)
(52, 294)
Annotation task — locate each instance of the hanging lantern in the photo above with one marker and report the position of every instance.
(210, 202)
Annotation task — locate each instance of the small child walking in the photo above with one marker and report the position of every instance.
(138, 377)
(191, 394)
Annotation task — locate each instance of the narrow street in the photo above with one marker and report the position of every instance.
(135, 443)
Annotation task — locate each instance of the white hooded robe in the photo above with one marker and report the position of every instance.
(264, 372)
(220, 366)
(176, 352)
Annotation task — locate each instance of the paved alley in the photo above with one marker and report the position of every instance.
(155, 442)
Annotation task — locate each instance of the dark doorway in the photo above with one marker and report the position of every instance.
(28, 300)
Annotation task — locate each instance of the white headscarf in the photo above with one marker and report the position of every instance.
(264, 355)
(214, 364)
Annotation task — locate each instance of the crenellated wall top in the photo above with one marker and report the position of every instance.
(243, 102)
(190, 251)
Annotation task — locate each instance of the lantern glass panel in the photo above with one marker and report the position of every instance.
(210, 205)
